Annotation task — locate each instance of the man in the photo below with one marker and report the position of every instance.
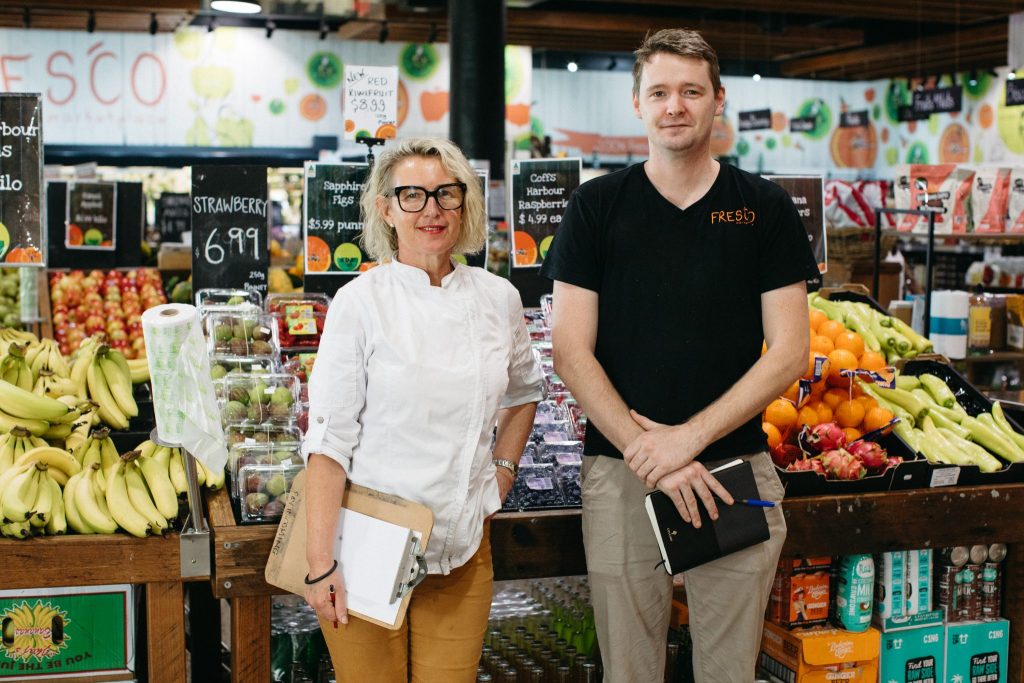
(668, 276)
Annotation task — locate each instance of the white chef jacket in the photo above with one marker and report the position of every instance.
(406, 389)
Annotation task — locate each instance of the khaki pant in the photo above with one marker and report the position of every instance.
(632, 594)
(440, 640)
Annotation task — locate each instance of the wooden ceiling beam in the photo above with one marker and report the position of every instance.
(980, 59)
(896, 54)
(958, 12)
(182, 6)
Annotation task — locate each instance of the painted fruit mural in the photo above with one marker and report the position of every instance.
(854, 147)
(954, 145)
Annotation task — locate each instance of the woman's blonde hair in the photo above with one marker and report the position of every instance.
(380, 240)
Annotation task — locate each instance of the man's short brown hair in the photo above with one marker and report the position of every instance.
(682, 42)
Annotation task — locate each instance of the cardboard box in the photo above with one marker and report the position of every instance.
(174, 256)
(818, 655)
(914, 655)
(52, 632)
(977, 651)
(804, 564)
(1015, 322)
(902, 623)
(800, 598)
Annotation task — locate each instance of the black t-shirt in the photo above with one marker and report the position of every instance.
(679, 290)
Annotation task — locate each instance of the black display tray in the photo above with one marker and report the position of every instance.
(813, 484)
(974, 403)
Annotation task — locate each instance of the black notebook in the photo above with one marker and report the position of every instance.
(738, 526)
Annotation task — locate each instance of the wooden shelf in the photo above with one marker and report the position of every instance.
(994, 357)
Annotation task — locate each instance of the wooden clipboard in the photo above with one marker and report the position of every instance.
(287, 566)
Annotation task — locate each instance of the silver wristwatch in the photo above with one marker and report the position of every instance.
(507, 464)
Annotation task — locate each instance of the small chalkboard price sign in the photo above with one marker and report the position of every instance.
(173, 215)
(1014, 92)
(540, 194)
(91, 221)
(22, 240)
(230, 219)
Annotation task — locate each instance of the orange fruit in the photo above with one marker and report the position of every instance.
(773, 434)
(792, 392)
(856, 391)
(811, 360)
(818, 389)
(833, 397)
(817, 318)
(807, 416)
(831, 329)
(822, 344)
(849, 414)
(822, 409)
(781, 413)
(525, 250)
(852, 434)
(318, 255)
(876, 418)
(851, 341)
(840, 359)
(867, 403)
(871, 360)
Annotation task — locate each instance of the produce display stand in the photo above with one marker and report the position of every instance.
(154, 562)
(549, 543)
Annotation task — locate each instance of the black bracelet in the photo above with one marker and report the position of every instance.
(310, 582)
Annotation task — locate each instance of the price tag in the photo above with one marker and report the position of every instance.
(91, 216)
(945, 476)
(540, 193)
(331, 222)
(808, 194)
(173, 215)
(755, 119)
(371, 101)
(230, 220)
(21, 180)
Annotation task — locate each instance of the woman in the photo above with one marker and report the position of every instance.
(420, 357)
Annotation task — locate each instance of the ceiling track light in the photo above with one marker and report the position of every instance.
(26, 18)
(211, 25)
(153, 25)
(323, 29)
(613, 64)
(432, 36)
(236, 6)
(384, 32)
(270, 26)
(972, 78)
(572, 66)
(90, 23)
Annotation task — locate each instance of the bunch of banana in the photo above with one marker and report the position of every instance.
(139, 368)
(10, 336)
(61, 429)
(15, 444)
(109, 383)
(14, 369)
(46, 355)
(85, 502)
(81, 361)
(31, 501)
(21, 407)
(49, 383)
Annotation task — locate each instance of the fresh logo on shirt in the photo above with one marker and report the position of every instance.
(742, 216)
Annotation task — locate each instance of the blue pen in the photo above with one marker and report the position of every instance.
(753, 502)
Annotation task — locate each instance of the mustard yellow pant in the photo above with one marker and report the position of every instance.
(439, 641)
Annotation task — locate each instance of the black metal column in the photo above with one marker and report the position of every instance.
(476, 30)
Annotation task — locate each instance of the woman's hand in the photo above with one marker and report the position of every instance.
(505, 480)
(319, 595)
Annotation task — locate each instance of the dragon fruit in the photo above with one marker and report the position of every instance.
(893, 461)
(806, 465)
(785, 453)
(841, 464)
(870, 453)
(826, 436)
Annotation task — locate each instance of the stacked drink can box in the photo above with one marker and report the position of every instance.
(917, 616)
(298, 653)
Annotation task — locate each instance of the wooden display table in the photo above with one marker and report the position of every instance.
(531, 545)
(74, 560)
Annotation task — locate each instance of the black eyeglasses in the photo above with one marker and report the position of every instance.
(413, 198)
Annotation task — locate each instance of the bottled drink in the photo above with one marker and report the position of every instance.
(563, 674)
(589, 673)
(671, 658)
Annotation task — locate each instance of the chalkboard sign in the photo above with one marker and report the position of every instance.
(173, 215)
(479, 259)
(937, 101)
(755, 119)
(1014, 92)
(21, 180)
(808, 194)
(803, 124)
(129, 217)
(91, 221)
(331, 225)
(230, 227)
(540, 193)
(853, 119)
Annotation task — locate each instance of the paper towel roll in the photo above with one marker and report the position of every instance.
(948, 328)
(184, 402)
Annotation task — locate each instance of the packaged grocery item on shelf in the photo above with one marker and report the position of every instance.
(1015, 221)
(820, 654)
(944, 188)
(560, 452)
(243, 454)
(913, 654)
(222, 366)
(263, 490)
(568, 475)
(241, 334)
(228, 297)
(977, 651)
(853, 588)
(800, 595)
(299, 364)
(300, 318)
(258, 398)
(990, 199)
(537, 487)
(278, 435)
